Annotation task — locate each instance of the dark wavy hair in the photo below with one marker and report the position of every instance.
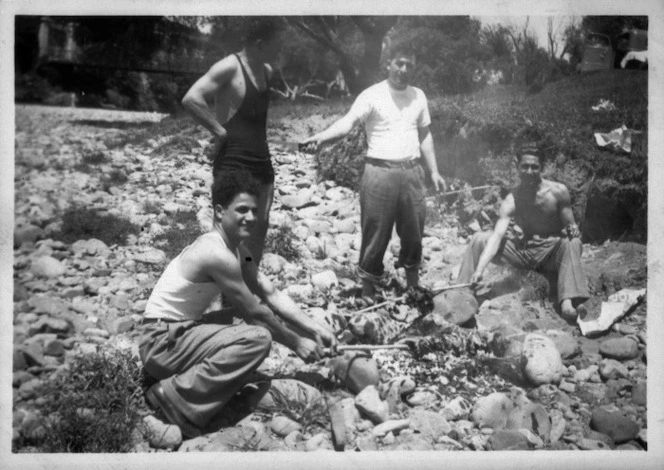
(530, 148)
(261, 28)
(228, 184)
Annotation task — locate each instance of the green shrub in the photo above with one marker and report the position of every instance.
(79, 223)
(281, 241)
(93, 405)
(182, 231)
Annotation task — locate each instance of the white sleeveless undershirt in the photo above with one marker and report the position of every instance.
(176, 298)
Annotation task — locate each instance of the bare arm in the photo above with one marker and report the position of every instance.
(493, 243)
(426, 147)
(227, 273)
(283, 306)
(202, 92)
(338, 129)
(570, 229)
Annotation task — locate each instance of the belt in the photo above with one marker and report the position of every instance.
(403, 164)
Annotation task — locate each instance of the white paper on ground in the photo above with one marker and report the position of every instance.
(617, 306)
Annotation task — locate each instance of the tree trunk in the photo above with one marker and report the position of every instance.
(357, 76)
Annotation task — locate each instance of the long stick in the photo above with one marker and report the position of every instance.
(370, 347)
(464, 190)
(403, 297)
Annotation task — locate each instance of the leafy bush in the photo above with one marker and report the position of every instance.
(183, 230)
(92, 405)
(281, 241)
(343, 160)
(79, 223)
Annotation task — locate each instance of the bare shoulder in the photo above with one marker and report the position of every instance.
(558, 190)
(224, 68)
(208, 250)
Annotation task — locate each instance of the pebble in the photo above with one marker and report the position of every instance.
(368, 402)
(540, 360)
(48, 267)
(612, 369)
(162, 435)
(621, 349)
(458, 408)
(492, 411)
(324, 280)
(505, 439)
(392, 426)
(614, 424)
(430, 424)
(282, 426)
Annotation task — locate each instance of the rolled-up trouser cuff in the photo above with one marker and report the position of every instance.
(365, 276)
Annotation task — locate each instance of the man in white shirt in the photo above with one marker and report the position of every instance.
(396, 119)
(201, 360)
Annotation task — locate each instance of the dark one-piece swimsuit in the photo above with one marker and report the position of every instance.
(246, 143)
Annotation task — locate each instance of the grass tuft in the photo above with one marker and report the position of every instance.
(182, 231)
(93, 405)
(79, 223)
(281, 241)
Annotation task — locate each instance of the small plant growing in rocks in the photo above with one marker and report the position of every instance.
(93, 405)
(309, 414)
(281, 241)
(183, 230)
(80, 223)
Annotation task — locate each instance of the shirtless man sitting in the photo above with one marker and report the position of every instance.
(201, 361)
(550, 241)
(231, 101)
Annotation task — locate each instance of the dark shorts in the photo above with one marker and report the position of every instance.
(234, 158)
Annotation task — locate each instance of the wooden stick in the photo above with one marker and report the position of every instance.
(464, 190)
(370, 347)
(403, 297)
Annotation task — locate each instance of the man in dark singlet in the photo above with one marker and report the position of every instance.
(203, 358)
(231, 101)
(550, 239)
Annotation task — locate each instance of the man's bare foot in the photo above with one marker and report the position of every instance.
(567, 311)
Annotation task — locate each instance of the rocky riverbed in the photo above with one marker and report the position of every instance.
(514, 376)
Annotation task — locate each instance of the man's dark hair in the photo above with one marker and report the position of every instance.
(261, 28)
(400, 49)
(530, 148)
(229, 184)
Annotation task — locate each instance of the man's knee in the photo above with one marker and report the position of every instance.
(260, 337)
(480, 238)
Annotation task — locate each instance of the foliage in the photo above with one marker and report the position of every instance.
(613, 26)
(308, 414)
(449, 51)
(89, 159)
(342, 161)
(183, 230)
(80, 223)
(92, 405)
(282, 241)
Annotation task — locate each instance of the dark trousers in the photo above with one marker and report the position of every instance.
(391, 196)
(559, 255)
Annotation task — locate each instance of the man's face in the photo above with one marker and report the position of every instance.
(400, 70)
(239, 218)
(530, 169)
